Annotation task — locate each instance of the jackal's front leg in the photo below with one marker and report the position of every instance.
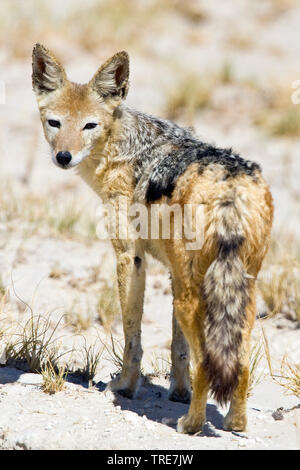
(131, 282)
(180, 389)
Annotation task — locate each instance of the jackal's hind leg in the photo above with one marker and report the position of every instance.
(131, 281)
(188, 313)
(236, 418)
(194, 421)
(180, 389)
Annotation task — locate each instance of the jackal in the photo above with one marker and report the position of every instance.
(122, 152)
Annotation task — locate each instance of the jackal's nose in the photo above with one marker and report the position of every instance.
(63, 158)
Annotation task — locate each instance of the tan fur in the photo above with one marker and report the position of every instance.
(111, 176)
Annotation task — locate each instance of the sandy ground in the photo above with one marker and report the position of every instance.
(88, 418)
(80, 418)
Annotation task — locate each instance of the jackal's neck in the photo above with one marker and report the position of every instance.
(141, 138)
(134, 145)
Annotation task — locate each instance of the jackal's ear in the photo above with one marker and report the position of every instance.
(47, 73)
(111, 79)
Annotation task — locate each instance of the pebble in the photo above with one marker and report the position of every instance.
(278, 415)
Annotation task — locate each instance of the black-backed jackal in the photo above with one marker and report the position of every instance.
(121, 152)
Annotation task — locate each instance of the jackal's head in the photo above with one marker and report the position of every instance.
(77, 117)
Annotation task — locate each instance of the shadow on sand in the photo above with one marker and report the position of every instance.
(152, 401)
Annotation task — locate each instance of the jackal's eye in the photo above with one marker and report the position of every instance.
(53, 123)
(90, 125)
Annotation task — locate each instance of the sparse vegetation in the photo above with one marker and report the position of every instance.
(289, 377)
(91, 356)
(161, 364)
(240, 41)
(37, 213)
(289, 374)
(279, 283)
(54, 378)
(189, 9)
(256, 355)
(34, 345)
(190, 95)
(115, 352)
(192, 92)
(78, 320)
(104, 23)
(280, 117)
(2, 291)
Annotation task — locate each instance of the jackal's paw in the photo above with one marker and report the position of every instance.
(182, 396)
(120, 386)
(235, 423)
(186, 425)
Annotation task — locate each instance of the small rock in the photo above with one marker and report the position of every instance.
(278, 415)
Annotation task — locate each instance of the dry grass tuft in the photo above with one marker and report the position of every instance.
(189, 9)
(54, 378)
(111, 23)
(79, 320)
(115, 353)
(240, 41)
(161, 364)
(190, 95)
(40, 214)
(34, 345)
(277, 8)
(280, 117)
(193, 93)
(91, 356)
(290, 377)
(56, 272)
(2, 289)
(256, 355)
(279, 283)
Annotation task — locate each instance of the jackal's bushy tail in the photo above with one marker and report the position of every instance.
(226, 295)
